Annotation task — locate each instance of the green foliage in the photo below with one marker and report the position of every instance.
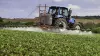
(98, 25)
(21, 43)
(17, 24)
(29, 23)
(87, 17)
(89, 25)
(96, 30)
(1, 19)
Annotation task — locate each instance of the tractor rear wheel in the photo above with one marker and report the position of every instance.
(61, 23)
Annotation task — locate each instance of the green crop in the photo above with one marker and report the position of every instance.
(22, 43)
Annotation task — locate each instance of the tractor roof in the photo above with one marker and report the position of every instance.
(58, 7)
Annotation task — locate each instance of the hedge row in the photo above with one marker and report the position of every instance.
(91, 25)
(95, 28)
(15, 24)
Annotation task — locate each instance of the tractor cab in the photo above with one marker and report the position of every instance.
(59, 12)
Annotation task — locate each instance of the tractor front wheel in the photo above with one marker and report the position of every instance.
(78, 26)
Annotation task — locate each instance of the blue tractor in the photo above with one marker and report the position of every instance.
(60, 17)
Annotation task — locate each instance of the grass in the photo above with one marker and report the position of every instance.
(21, 43)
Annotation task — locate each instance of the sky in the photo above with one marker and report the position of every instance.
(23, 8)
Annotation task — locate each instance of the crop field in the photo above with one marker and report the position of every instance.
(23, 43)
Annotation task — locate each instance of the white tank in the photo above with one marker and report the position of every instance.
(46, 19)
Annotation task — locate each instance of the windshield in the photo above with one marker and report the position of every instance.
(64, 12)
(53, 11)
(58, 10)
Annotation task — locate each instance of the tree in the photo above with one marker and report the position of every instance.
(1, 19)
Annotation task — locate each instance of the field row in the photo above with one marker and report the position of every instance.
(21, 43)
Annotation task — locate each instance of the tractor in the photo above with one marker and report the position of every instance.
(59, 17)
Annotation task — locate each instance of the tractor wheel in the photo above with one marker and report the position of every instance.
(78, 26)
(61, 23)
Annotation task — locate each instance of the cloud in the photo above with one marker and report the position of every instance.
(3, 10)
(33, 14)
(75, 7)
(93, 1)
(87, 12)
(22, 10)
(36, 14)
(92, 11)
(58, 0)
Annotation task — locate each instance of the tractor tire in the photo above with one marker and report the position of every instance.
(61, 23)
(78, 26)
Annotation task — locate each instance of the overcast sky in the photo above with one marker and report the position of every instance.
(22, 8)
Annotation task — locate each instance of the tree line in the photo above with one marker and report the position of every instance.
(87, 17)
